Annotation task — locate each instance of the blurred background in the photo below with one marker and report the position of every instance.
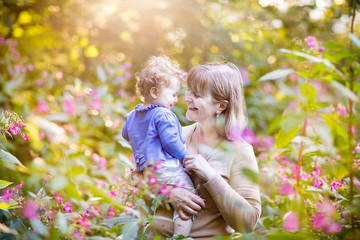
(67, 69)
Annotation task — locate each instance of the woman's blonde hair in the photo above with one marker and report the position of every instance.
(158, 71)
(222, 81)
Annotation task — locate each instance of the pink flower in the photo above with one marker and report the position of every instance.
(318, 220)
(25, 138)
(311, 42)
(316, 172)
(286, 189)
(29, 210)
(76, 233)
(333, 227)
(42, 107)
(45, 73)
(15, 129)
(164, 190)
(322, 49)
(158, 165)
(57, 197)
(318, 182)
(342, 109)
(304, 176)
(268, 141)
(69, 106)
(50, 215)
(152, 180)
(84, 222)
(357, 148)
(30, 67)
(8, 194)
(67, 207)
(113, 194)
(133, 190)
(59, 75)
(291, 222)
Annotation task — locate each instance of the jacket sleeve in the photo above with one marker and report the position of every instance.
(239, 199)
(169, 130)
(124, 131)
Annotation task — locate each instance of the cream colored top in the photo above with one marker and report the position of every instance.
(232, 200)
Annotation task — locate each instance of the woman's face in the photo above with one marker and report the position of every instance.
(200, 108)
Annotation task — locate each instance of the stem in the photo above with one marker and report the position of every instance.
(350, 126)
(301, 148)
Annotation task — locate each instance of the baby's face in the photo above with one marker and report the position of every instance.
(167, 96)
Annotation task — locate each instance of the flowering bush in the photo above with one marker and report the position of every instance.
(77, 183)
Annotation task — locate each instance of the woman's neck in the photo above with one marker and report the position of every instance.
(206, 134)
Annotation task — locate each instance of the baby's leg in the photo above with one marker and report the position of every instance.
(182, 227)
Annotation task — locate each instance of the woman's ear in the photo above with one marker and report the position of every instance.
(223, 105)
(153, 92)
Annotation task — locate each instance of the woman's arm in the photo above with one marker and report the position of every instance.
(239, 199)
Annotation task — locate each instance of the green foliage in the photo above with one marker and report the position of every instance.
(68, 69)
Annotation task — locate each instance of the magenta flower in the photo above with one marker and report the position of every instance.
(318, 183)
(113, 194)
(69, 106)
(84, 222)
(291, 222)
(15, 129)
(67, 207)
(322, 49)
(76, 234)
(311, 42)
(342, 109)
(7, 195)
(25, 138)
(42, 107)
(164, 190)
(286, 189)
(158, 165)
(152, 180)
(29, 210)
(133, 190)
(57, 197)
(357, 148)
(316, 172)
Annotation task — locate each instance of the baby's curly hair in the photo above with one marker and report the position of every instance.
(158, 71)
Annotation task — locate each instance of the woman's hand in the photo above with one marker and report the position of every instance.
(200, 166)
(185, 202)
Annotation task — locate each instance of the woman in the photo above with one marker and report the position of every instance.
(227, 200)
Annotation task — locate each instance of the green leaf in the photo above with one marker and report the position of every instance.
(344, 91)
(286, 236)
(117, 221)
(335, 126)
(283, 139)
(4, 139)
(9, 160)
(39, 227)
(101, 73)
(130, 229)
(62, 222)
(308, 91)
(59, 183)
(277, 74)
(311, 58)
(4, 205)
(4, 184)
(354, 40)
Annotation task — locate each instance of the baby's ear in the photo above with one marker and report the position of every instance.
(153, 92)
